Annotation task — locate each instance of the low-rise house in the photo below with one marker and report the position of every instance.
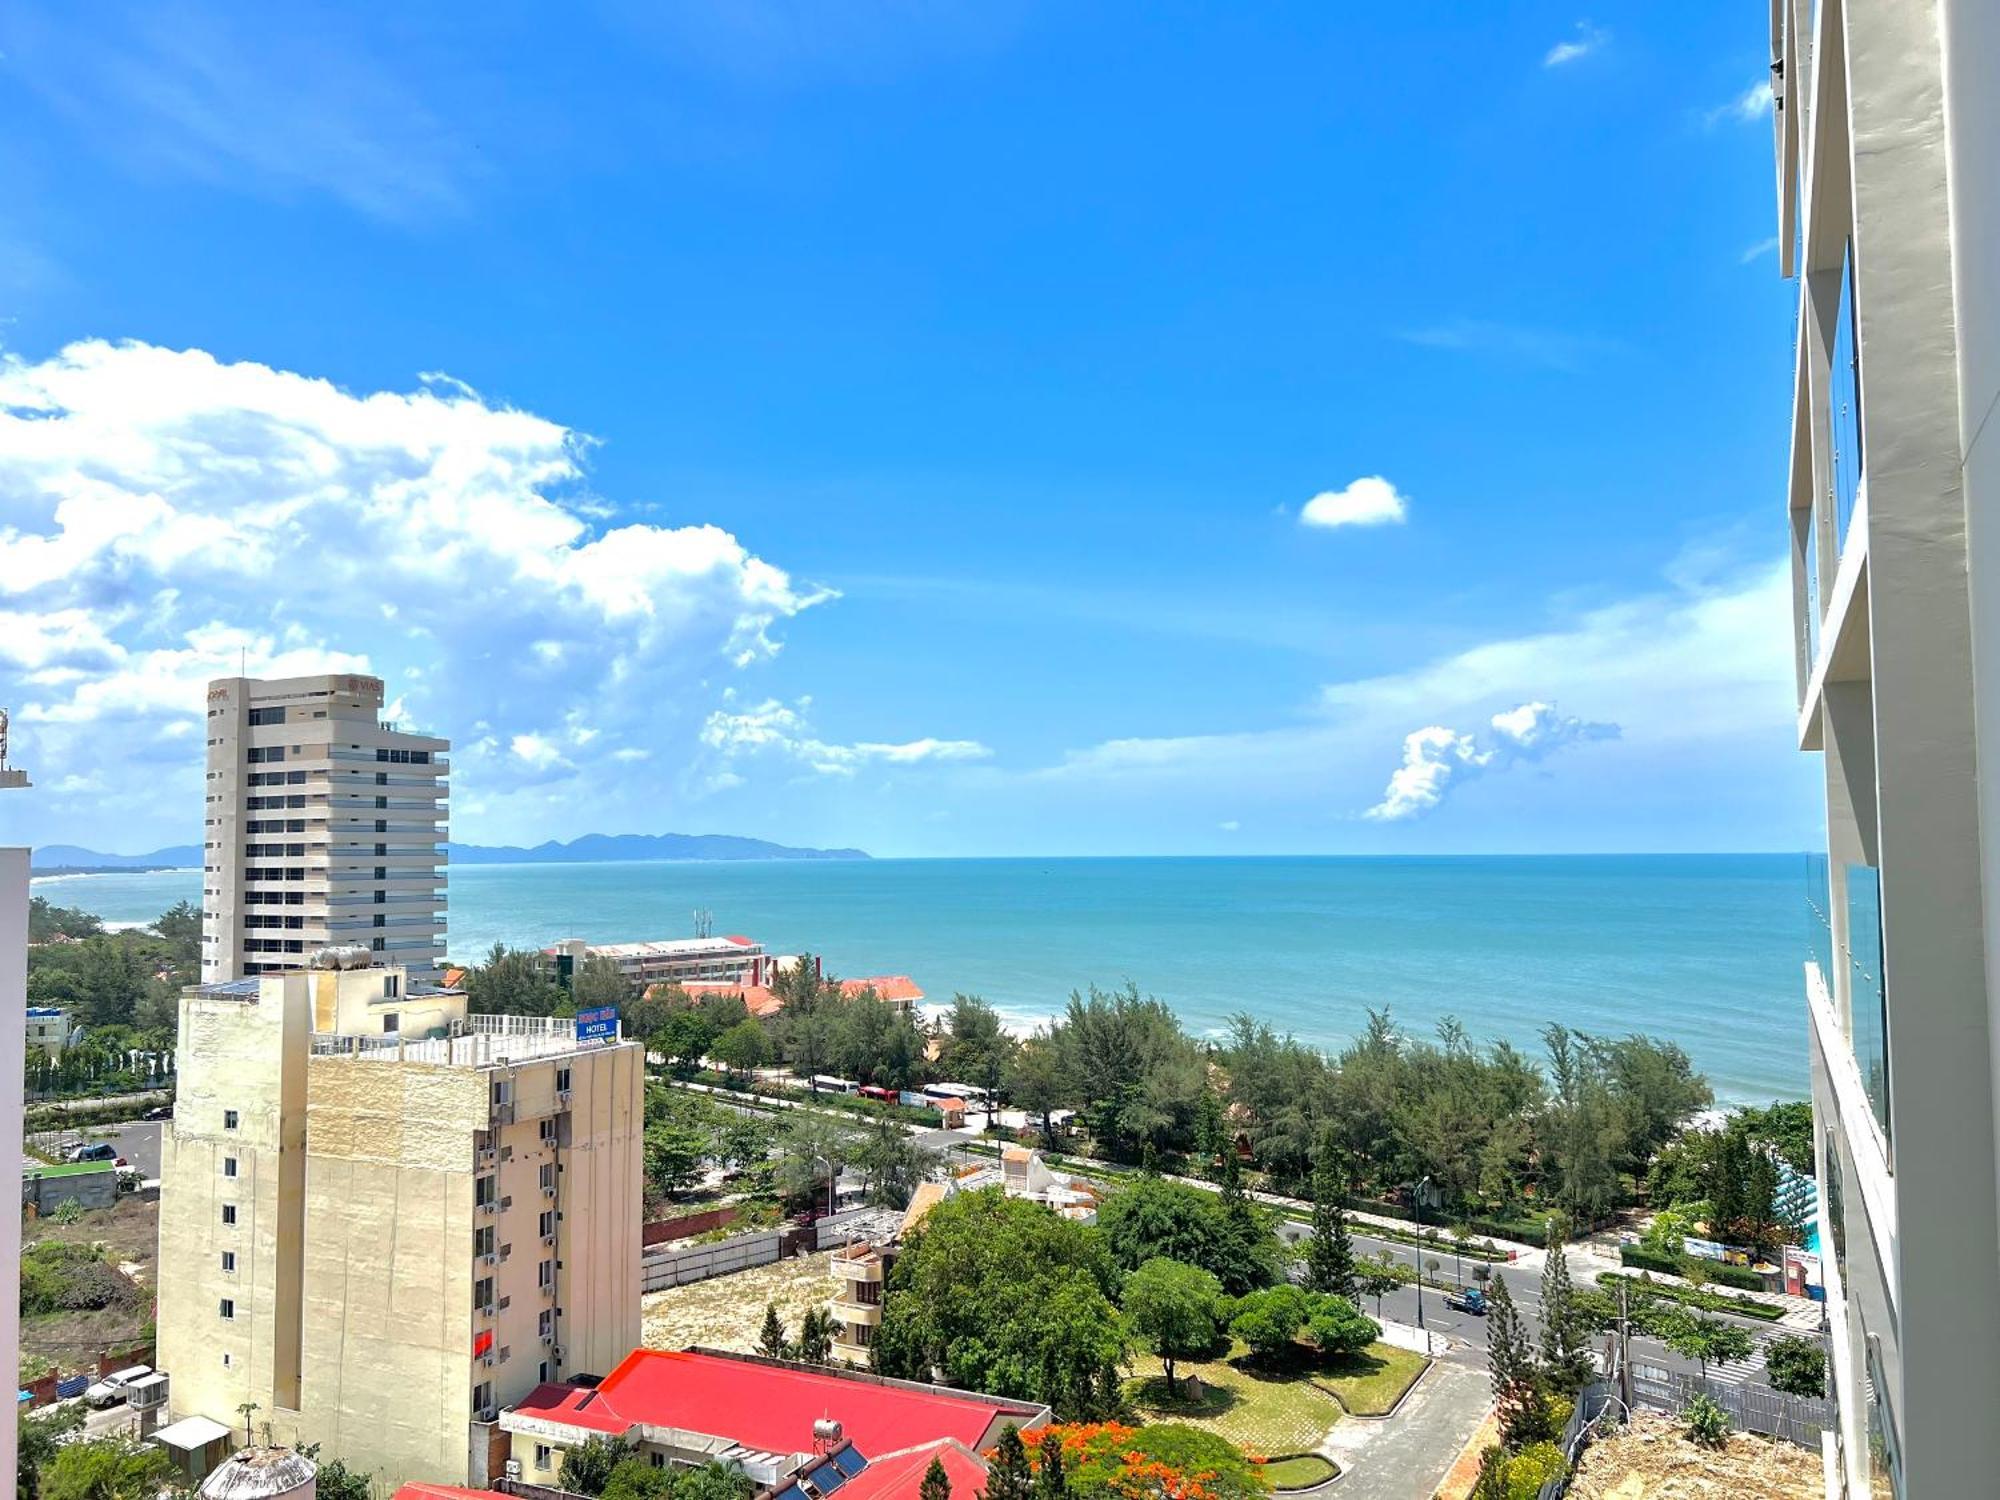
(797, 1431)
(48, 1028)
(1021, 1173)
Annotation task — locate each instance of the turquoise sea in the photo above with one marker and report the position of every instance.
(1702, 949)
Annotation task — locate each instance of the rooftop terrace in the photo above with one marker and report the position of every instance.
(484, 1042)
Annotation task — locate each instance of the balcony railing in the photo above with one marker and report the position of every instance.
(1854, 973)
(1844, 406)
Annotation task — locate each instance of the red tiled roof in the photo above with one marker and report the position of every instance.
(739, 940)
(757, 998)
(885, 986)
(897, 1476)
(760, 1405)
(417, 1489)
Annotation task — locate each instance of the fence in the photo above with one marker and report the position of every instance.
(743, 1252)
(1796, 1419)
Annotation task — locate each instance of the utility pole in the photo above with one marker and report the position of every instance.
(1624, 1348)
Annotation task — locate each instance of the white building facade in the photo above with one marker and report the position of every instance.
(322, 825)
(1886, 127)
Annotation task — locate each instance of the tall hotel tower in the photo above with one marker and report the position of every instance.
(323, 826)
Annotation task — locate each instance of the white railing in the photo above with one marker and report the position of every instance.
(486, 1042)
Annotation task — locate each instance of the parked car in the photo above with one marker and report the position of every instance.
(114, 1387)
(95, 1151)
(159, 1112)
(1470, 1300)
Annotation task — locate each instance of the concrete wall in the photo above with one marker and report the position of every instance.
(46, 1194)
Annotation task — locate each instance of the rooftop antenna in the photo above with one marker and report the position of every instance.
(704, 922)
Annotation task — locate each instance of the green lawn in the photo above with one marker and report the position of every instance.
(1264, 1411)
(1369, 1384)
(1299, 1473)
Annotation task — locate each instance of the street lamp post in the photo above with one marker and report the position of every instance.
(1416, 1255)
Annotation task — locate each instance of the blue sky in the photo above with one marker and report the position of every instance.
(895, 424)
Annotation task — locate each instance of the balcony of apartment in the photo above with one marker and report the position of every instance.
(1844, 947)
(479, 1041)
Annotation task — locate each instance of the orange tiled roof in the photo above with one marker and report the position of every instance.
(885, 986)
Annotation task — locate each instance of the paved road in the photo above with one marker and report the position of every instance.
(138, 1141)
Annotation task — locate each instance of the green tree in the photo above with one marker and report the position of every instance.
(1376, 1276)
(1172, 1308)
(1051, 1476)
(1796, 1365)
(1003, 1296)
(714, 1481)
(816, 1336)
(180, 926)
(1703, 1339)
(977, 1046)
(1492, 1481)
(105, 1468)
(936, 1484)
(599, 981)
(676, 1155)
(893, 1162)
(1210, 1136)
(1519, 1393)
(1269, 1321)
(1567, 1364)
(743, 1048)
(1330, 1251)
(1038, 1083)
(587, 1468)
(771, 1340)
(1337, 1326)
(638, 1479)
(1153, 1218)
(1008, 1475)
(39, 1436)
(513, 982)
(335, 1481)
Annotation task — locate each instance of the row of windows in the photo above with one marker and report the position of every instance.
(272, 945)
(274, 851)
(276, 778)
(265, 755)
(274, 898)
(252, 923)
(404, 757)
(295, 873)
(274, 804)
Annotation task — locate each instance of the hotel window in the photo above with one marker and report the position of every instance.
(228, 1166)
(548, 1178)
(545, 1274)
(562, 1080)
(482, 1398)
(267, 716)
(485, 1191)
(229, 1118)
(482, 1292)
(229, 1213)
(227, 1308)
(548, 1130)
(229, 1260)
(482, 1240)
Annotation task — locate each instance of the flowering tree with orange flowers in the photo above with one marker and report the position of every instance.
(1160, 1461)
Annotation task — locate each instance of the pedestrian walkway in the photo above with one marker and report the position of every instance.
(1404, 1457)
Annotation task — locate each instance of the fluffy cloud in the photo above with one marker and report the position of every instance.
(1436, 758)
(166, 518)
(782, 730)
(1587, 40)
(1369, 501)
(1748, 107)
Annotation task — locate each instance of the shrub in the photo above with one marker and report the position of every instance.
(1640, 1258)
(1531, 1468)
(1796, 1365)
(1268, 1321)
(1707, 1423)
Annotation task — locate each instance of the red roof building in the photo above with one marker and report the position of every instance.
(765, 1416)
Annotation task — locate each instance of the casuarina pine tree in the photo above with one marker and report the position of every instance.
(1008, 1477)
(1566, 1360)
(771, 1342)
(1518, 1391)
(1330, 1253)
(936, 1484)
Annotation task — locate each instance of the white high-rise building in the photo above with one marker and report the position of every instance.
(323, 825)
(13, 1054)
(1888, 145)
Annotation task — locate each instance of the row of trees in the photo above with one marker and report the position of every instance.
(127, 980)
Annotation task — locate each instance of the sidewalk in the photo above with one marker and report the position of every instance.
(1404, 1457)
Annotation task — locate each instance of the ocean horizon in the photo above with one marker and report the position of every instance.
(1702, 950)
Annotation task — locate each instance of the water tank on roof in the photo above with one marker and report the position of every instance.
(262, 1474)
(341, 956)
(827, 1431)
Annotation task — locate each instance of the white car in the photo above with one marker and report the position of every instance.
(114, 1387)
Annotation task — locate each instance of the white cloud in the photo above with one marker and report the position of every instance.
(1748, 107)
(1696, 673)
(1230, 825)
(1519, 343)
(782, 729)
(1587, 40)
(166, 518)
(1370, 501)
(1758, 251)
(1436, 758)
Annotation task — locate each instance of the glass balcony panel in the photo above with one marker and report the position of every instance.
(1867, 997)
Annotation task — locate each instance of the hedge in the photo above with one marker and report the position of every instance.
(1690, 1296)
(1639, 1258)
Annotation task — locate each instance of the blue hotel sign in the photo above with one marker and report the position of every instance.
(597, 1025)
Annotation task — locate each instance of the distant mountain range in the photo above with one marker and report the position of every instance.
(53, 859)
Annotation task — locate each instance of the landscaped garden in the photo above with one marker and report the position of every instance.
(1284, 1407)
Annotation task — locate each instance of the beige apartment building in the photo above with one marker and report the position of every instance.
(322, 825)
(1887, 122)
(384, 1219)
